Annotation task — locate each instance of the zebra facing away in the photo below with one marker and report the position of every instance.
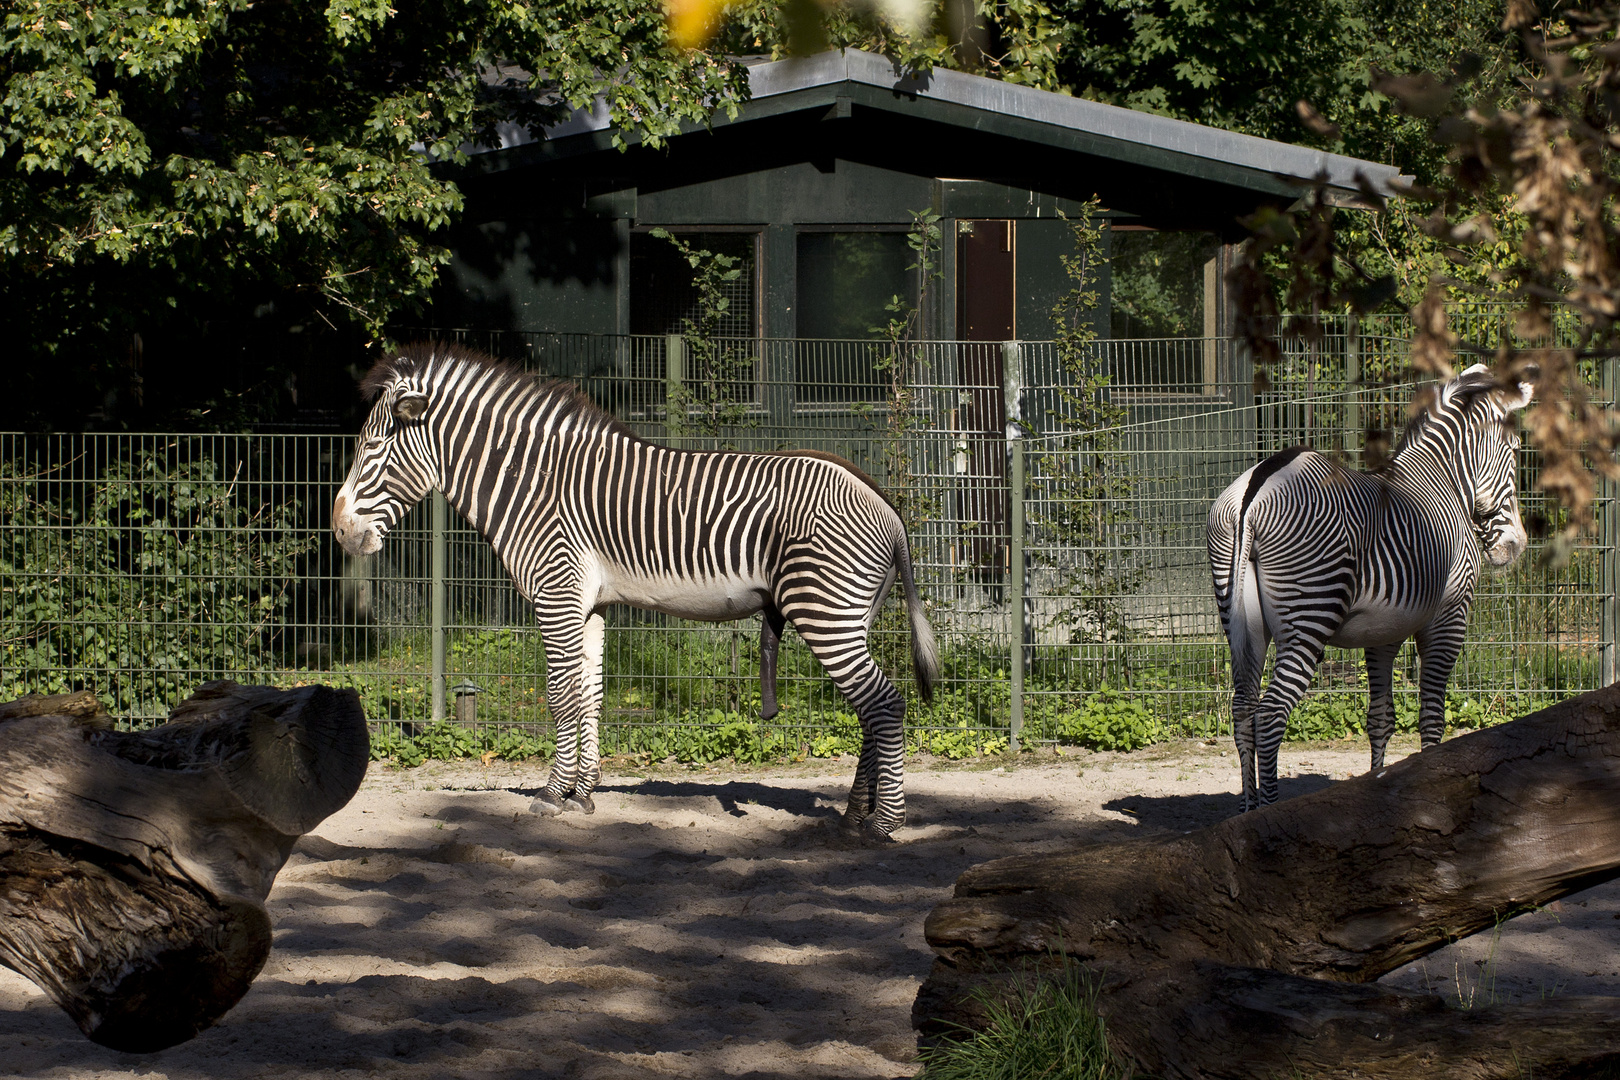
(583, 514)
(1311, 554)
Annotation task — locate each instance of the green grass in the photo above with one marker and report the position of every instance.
(1052, 1032)
(693, 696)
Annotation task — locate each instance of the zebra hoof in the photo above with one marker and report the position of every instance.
(546, 805)
(874, 835)
(582, 803)
(851, 824)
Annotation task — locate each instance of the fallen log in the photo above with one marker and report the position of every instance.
(134, 865)
(1229, 951)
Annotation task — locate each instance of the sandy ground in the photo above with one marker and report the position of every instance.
(703, 923)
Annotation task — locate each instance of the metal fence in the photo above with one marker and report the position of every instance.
(1056, 505)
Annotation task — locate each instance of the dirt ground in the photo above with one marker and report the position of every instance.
(703, 923)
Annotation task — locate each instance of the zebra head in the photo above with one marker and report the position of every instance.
(1493, 446)
(394, 465)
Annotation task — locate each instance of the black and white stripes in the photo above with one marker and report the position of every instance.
(584, 514)
(1311, 554)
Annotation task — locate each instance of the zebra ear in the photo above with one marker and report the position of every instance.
(410, 406)
(1513, 402)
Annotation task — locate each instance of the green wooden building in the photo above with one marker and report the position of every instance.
(814, 184)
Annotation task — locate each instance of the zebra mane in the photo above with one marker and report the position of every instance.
(1456, 396)
(421, 358)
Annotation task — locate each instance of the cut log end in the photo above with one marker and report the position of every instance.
(133, 865)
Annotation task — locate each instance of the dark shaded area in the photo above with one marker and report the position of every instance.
(155, 350)
(1176, 813)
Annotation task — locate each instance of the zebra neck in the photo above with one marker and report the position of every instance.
(495, 455)
(1435, 473)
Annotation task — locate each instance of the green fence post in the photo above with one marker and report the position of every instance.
(1012, 382)
(1609, 564)
(674, 381)
(438, 600)
(1353, 432)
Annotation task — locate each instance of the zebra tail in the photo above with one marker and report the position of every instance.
(1238, 620)
(924, 649)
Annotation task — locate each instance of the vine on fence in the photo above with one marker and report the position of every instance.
(717, 390)
(1083, 482)
(895, 364)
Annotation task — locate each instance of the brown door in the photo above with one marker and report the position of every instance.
(985, 295)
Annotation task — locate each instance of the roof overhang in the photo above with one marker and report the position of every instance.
(842, 80)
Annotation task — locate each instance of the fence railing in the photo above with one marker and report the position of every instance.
(1061, 559)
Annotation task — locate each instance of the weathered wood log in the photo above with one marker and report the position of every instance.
(134, 865)
(1225, 951)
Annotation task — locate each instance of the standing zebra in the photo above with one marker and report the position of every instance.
(584, 514)
(1313, 554)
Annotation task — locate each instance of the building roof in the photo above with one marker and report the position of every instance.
(843, 82)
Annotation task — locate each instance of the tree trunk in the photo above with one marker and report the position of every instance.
(134, 865)
(1226, 951)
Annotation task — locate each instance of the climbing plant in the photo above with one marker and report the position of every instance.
(714, 396)
(1083, 488)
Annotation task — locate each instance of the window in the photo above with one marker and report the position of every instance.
(846, 280)
(663, 296)
(1164, 287)
(1158, 282)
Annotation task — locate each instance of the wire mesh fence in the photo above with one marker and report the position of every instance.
(1057, 524)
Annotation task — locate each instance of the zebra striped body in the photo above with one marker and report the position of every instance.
(1310, 554)
(583, 514)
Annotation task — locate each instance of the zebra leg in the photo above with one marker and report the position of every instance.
(1248, 664)
(877, 800)
(1438, 645)
(565, 698)
(1380, 699)
(771, 624)
(863, 792)
(1243, 702)
(590, 749)
(1297, 661)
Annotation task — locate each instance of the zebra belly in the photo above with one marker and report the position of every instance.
(714, 599)
(1380, 624)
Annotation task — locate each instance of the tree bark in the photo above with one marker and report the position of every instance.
(1226, 951)
(134, 865)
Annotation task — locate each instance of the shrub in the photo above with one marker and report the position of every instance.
(150, 577)
(1108, 719)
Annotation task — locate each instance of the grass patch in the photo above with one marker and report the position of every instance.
(1051, 1032)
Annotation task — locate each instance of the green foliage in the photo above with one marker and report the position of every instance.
(140, 580)
(961, 740)
(841, 736)
(1051, 1031)
(1329, 716)
(445, 741)
(730, 735)
(162, 166)
(1323, 716)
